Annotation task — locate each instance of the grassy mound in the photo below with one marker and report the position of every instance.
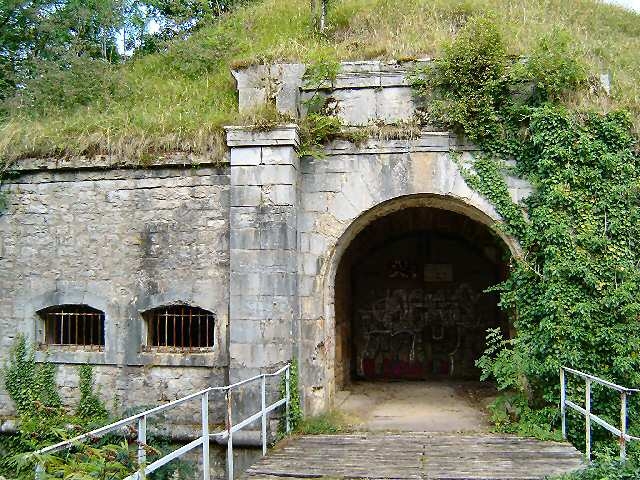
(179, 100)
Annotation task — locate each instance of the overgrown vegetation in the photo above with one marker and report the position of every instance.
(607, 468)
(573, 294)
(178, 98)
(43, 421)
(39, 38)
(327, 423)
(90, 407)
(332, 422)
(295, 407)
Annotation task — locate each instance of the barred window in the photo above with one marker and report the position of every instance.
(179, 328)
(73, 325)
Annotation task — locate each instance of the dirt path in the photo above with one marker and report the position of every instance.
(435, 406)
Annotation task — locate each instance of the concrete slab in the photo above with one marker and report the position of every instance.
(434, 406)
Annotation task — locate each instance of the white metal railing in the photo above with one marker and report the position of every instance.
(621, 432)
(203, 440)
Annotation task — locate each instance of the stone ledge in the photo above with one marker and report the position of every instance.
(370, 74)
(110, 162)
(427, 142)
(247, 136)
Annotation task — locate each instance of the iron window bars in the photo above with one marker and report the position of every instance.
(179, 328)
(73, 325)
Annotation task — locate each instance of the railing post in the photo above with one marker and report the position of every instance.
(205, 436)
(264, 415)
(229, 437)
(39, 472)
(563, 404)
(287, 378)
(142, 444)
(587, 407)
(623, 425)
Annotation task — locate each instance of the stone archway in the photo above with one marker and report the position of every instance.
(424, 227)
(411, 300)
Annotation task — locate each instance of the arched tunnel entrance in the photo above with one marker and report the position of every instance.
(411, 300)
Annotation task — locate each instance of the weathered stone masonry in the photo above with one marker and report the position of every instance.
(257, 241)
(122, 240)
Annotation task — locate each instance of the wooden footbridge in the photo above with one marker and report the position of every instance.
(416, 456)
(371, 455)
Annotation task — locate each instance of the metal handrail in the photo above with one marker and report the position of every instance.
(203, 440)
(621, 432)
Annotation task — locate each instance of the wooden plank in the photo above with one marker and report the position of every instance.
(416, 456)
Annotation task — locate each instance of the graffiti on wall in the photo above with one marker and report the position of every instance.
(418, 332)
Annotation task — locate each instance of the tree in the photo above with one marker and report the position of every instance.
(33, 31)
(181, 17)
(319, 14)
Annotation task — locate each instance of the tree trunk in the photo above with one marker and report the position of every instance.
(319, 14)
(323, 15)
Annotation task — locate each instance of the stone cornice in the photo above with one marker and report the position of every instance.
(247, 136)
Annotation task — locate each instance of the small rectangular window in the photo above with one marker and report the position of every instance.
(179, 328)
(73, 325)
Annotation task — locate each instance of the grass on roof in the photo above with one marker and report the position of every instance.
(179, 100)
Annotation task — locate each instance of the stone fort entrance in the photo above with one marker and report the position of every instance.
(368, 261)
(411, 300)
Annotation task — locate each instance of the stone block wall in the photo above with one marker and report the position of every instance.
(263, 248)
(257, 241)
(122, 240)
(343, 192)
(362, 93)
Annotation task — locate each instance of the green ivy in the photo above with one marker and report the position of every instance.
(31, 386)
(295, 407)
(42, 421)
(91, 406)
(573, 294)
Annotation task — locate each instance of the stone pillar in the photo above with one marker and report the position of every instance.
(263, 305)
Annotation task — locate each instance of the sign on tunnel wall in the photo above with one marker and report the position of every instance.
(420, 308)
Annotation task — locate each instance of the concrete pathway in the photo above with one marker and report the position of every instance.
(434, 406)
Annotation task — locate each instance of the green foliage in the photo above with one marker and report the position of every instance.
(501, 362)
(317, 129)
(295, 407)
(90, 407)
(320, 125)
(554, 66)
(65, 85)
(487, 178)
(324, 424)
(43, 421)
(331, 422)
(320, 71)
(31, 386)
(607, 468)
(467, 86)
(107, 461)
(35, 31)
(511, 413)
(573, 293)
(188, 15)
(176, 92)
(41, 39)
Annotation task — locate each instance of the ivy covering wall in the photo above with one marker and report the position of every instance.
(43, 420)
(574, 293)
